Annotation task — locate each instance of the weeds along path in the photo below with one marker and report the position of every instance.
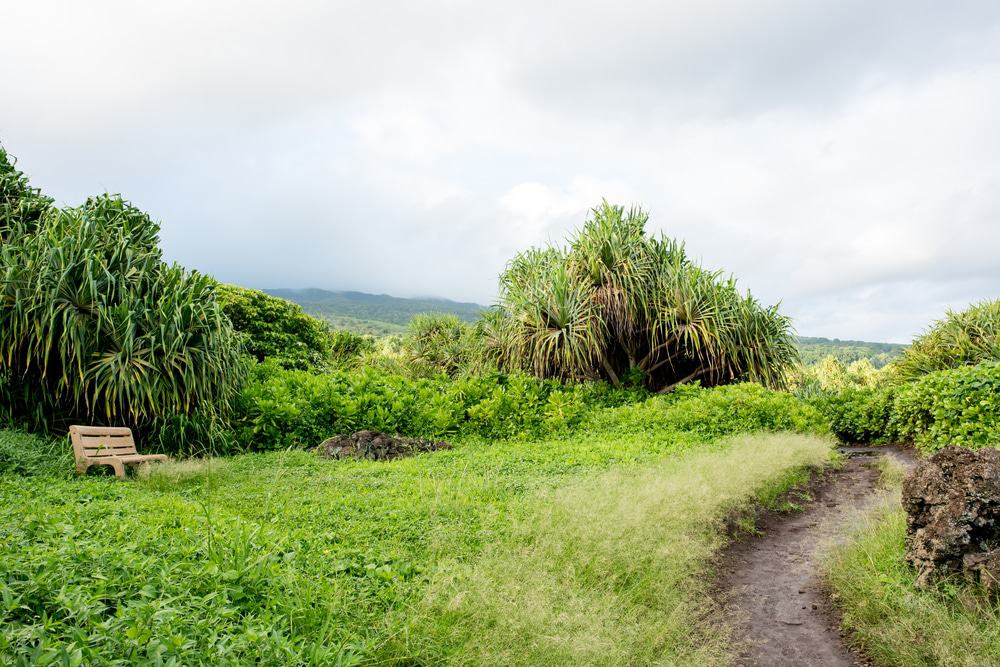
(772, 584)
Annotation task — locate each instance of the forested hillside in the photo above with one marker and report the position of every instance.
(847, 351)
(378, 314)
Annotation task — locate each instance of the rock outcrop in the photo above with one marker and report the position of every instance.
(376, 446)
(952, 502)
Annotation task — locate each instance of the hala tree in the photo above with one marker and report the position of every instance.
(962, 338)
(95, 326)
(621, 305)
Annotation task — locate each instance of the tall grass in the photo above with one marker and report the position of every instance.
(611, 570)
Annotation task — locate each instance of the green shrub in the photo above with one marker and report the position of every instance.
(21, 207)
(347, 347)
(444, 342)
(281, 408)
(859, 414)
(711, 413)
(616, 303)
(27, 454)
(273, 328)
(960, 406)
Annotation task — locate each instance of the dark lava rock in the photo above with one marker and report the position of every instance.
(952, 502)
(376, 446)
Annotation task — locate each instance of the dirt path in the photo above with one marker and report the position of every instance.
(773, 583)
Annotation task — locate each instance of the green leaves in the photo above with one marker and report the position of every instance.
(617, 303)
(958, 406)
(273, 328)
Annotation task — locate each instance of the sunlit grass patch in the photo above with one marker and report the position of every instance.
(172, 474)
(611, 570)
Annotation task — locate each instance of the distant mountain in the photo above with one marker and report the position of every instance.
(378, 314)
(381, 315)
(848, 351)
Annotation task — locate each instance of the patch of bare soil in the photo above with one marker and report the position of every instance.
(376, 446)
(771, 583)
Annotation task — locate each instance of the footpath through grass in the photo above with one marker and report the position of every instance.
(590, 550)
(951, 623)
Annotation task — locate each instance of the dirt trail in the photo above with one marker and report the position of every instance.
(772, 582)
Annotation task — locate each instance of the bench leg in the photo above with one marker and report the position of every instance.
(81, 468)
(118, 467)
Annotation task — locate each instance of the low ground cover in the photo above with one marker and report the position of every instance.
(285, 557)
(950, 623)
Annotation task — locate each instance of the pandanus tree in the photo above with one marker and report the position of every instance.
(618, 304)
(94, 325)
(961, 338)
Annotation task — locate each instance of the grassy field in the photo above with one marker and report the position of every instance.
(951, 623)
(589, 550)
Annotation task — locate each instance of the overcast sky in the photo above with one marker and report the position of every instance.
(842, 157)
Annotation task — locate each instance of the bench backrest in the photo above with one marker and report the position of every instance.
(93, 442)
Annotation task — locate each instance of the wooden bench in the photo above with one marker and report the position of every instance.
(107, 446)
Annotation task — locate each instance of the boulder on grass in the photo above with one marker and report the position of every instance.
(376, 446)
(952, 503)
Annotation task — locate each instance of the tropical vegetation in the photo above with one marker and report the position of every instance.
(612, 419)
(626, 307)
(95, 326)
(961, 338)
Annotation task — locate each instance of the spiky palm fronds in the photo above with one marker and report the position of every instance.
(553, 327)
(95, 326)
(618, 302)
(962, 338)
(21, 206)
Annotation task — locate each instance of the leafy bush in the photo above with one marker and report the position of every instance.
(712, 413)
(964, 338)
(26, 454)
(281, 408)
(21, 207)
(273, 328)
(859, 414)
(959, 406)
(96, 327)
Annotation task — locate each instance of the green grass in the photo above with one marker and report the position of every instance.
(589, 550)
(951, 623)
(611, 570)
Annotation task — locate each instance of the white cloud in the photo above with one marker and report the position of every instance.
(841, 157)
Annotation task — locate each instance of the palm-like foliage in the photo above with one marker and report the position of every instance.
(964, 338)
(95, 326)
(616, 303)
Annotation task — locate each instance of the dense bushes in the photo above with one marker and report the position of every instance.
(273, 328)
(711, 413)
(444, 343)
(859, 414)
(95, 326)
(282, 408)
(959, 406)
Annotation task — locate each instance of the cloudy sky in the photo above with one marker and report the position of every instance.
(842, 156)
